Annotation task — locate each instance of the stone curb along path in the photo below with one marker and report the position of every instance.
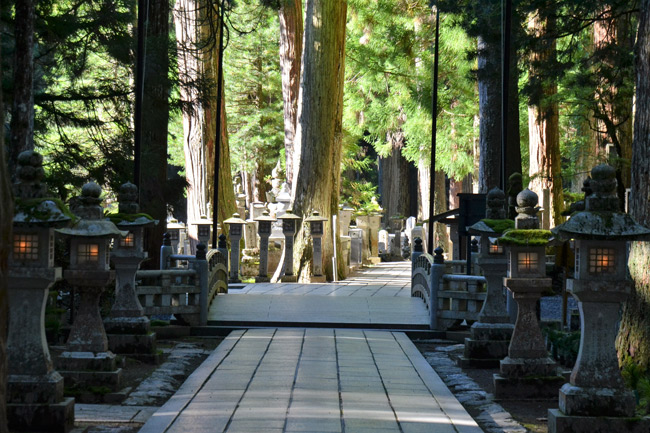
(313, 380)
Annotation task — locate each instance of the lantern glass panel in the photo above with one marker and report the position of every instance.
(88, 253)
(128, 241)
(235, 229)
(495, 249)
(51, 252)
(577, 262)
(288, 225)
(173, 235)
(602, 260)
(527, 262)
(265, 227)
(204, 230)
(317, 228)
(25, 246)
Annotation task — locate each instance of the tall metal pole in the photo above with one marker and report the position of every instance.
(143, 11)
(434, 118)
(217, 140)
(505, 85)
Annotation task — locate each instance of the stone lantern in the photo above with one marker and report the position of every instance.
(490, 335)
(203, 230)
(87, 360)
(595, 399)
(316, 223)
(34, 389)
(235, 226)
(289, 221)
(127, 326)
(175, 230)
(264, 227)
(527, 371)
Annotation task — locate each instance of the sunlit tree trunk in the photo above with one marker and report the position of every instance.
(634, 335)
(543, 126)
(22, 113)
(291, 34)
(317, 157)
(395, 182)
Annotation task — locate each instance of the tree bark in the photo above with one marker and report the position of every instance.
(6, 225)
(22, 113)
(489, 92)
(155, 105)
(317, 159)
(395, 182)
(633, 340)
(543, 127)
(291, 34)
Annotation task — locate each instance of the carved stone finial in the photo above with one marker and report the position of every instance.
(128, 198)
(222, 241)
(475, 245)
(603, 184)
(167, 240)
(418, 245)
(200, 251)
(438, 258)
(29, 174)
(527, 210)
(88, 205)
(515, 186)
(496, 201)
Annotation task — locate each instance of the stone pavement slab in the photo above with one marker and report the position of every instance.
(313, 380)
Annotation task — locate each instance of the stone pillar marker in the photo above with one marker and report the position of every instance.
(128, 329)
(264, 226)
(289, 221)
(174, 228)
(87, 360)
(203, 231)
(595, 399)
(490, 336)
(235, 224)
(527, 371)
(34, 395)
(356, 246)
(316, 223)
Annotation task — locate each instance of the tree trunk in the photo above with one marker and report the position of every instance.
(6, 225)
(513, 148)
(395, 182)
(291, 33)
(489, 93)
(317, 159)
(543, 128)
(22, 113)
(633, 341)
(155, 106)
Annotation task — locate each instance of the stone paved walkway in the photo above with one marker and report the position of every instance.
(313, 380)
(376, 296)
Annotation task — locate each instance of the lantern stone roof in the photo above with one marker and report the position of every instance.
(491, 227)
(265, 217)
(91, 222)
(289, 215)
(523, 237)
(234, 219)
(601, 219)
(315, 216)
(32, 207)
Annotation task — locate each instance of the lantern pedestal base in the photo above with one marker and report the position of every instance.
(83, 370)
(372, 260)
(259, 279)
(317, 279)
(561, 423)
(136, 346)
(289, 279)
(50, 417)
(531, 387)
(487, 346)
(46, 389)
(581, 401)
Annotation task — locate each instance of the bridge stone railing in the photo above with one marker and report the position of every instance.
(185, 290)
(450, 298)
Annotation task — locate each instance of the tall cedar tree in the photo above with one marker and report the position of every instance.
(634, 335)
(317, 157)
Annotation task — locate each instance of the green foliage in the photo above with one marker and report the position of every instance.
(254, 89)
(388, 83)
(564, 345)
(499, 226)
(638, 380)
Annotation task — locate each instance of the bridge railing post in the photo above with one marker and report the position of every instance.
(437, 271)
(200, 265)
(166, 250)
(417, 252)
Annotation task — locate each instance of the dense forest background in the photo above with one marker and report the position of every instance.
(338, 95)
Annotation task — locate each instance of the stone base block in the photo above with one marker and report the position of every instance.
(579, 401)
(127, 325)
(486, 349)
(317, 279)
(30, 389)
(72, 361)
(492, 331)
(289, 279)
(561, 423)
(53, 417)
(533, 387)
(259, 279)
(373, 260)
(101, 381)
(132, 344)
(524, 367)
